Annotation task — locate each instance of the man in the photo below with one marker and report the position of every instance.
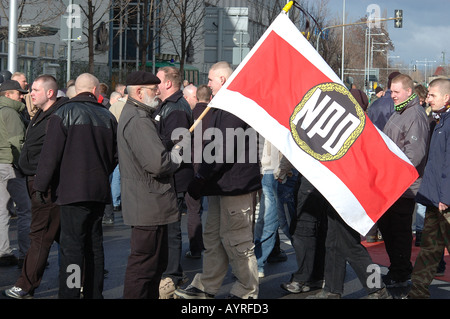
(44, 227)
(174, 113)
(80, 152)
(195, 211)
(190, 94)
(434, 193)
(408, 128)
(148, 197)
(381, 110)
(231, 187)
(12, 182)
(31, 108)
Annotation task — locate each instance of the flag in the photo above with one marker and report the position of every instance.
(289, 94)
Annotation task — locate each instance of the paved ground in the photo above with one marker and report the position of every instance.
(116, 243)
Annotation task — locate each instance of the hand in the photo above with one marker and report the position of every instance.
(196, 186)
(442, 207)
(40, 197)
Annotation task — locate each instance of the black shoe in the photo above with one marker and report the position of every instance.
(280, 257)
(117, 208)
(418, 238)
(8, 260)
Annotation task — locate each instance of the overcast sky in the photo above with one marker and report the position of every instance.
(426, 27)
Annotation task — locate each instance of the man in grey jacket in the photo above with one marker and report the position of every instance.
(408, 128)
(149, 201)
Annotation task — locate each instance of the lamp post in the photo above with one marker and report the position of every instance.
(367, 54)
(12, 36)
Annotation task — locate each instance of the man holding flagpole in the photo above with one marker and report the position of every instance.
(230, 187)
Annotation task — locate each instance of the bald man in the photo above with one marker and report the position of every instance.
(79, 152)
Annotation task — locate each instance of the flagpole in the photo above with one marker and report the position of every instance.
(286, 9)
(206, 110)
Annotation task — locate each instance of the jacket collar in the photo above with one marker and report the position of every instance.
(13, 104)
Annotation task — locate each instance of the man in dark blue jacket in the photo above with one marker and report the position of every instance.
(434, 193)
(80, 152)
(381, 110)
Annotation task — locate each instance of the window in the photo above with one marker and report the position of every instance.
(46, 50)
(25, 48)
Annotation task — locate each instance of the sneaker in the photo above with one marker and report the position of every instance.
(391, 283)
(192, 256)
(261, 274)
(8, 260)
(324, 295)
(192, 293)
(379, 294)
(17, 293)
(108, 220)
(295, 287)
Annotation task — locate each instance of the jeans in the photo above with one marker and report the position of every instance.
(115, 187)
(267, 224)
(81, 246)
(420, 216)
(17, 188)
(6, 173)
(13, 185)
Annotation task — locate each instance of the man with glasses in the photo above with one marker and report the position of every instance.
(174, 113)
(148, 198)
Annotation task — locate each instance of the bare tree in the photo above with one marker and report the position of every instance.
(185, 18)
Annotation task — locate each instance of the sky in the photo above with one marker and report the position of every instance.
(425, 33)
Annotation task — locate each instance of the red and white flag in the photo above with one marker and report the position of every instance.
(288, 93)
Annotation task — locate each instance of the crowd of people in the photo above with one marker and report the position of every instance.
(70, 158)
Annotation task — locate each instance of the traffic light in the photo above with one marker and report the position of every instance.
(398, 23)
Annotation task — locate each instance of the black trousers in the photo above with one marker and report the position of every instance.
(81, 247)
(146, 263)
(310, 233)
(343, 245)
(395, 226)
(44, 230)
(194, 224)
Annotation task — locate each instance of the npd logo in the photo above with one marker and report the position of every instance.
(327, 121)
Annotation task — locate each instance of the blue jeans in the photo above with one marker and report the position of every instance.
(420, 216)
(267, 224)
(115, 187)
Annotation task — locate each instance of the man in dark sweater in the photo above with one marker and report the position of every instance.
(80, 152)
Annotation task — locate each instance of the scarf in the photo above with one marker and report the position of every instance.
(399, 107)
(437, 114)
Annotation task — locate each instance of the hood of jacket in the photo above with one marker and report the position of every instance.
(15, 105)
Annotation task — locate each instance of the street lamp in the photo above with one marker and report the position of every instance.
(367, 56)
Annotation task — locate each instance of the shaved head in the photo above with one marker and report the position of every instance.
(86, 82)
